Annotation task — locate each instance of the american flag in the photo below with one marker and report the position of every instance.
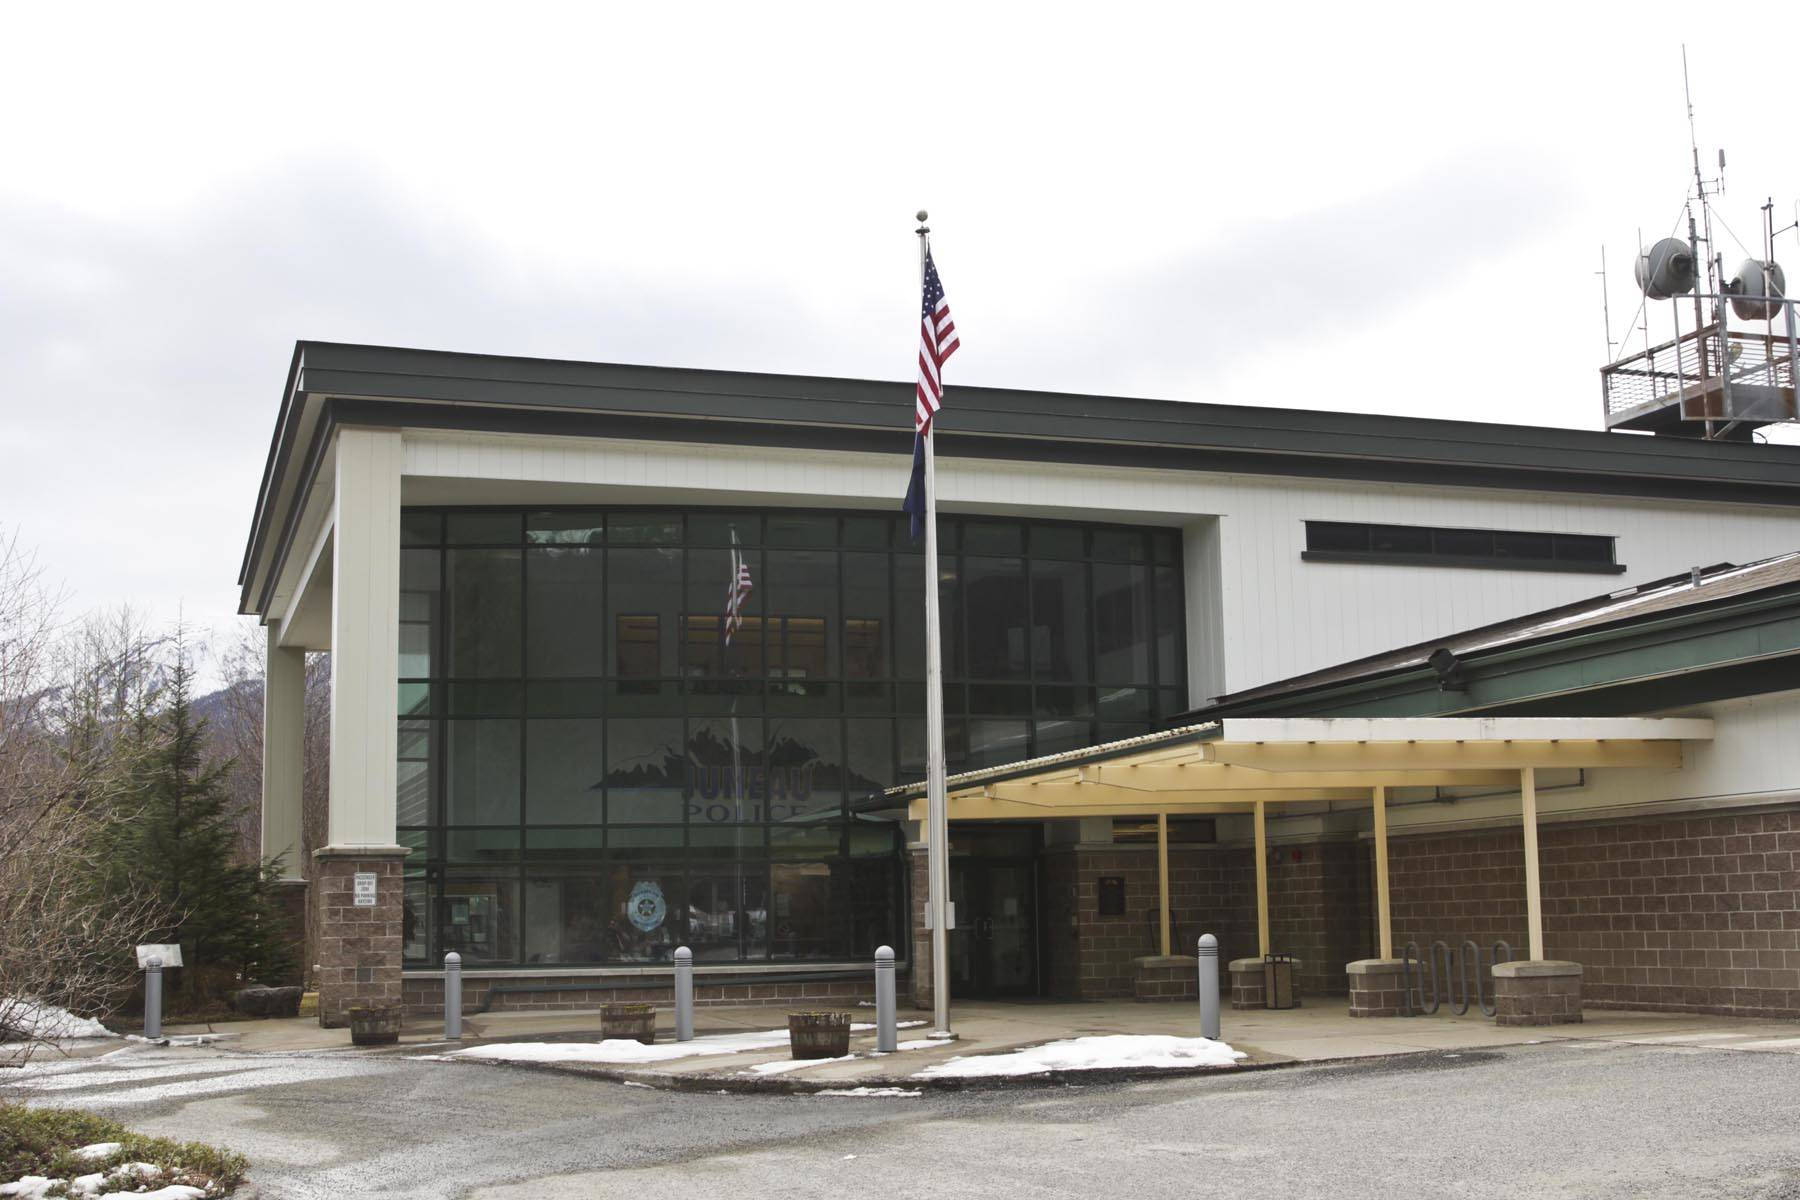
(737, 593)
(937, 342)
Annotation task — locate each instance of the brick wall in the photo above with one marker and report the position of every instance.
(1321, 898)
(358, 948)
(1684, 913)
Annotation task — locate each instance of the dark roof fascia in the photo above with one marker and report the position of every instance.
(286, 421)
(1729, 631)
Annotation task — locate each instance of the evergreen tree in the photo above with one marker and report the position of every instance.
(181, 844)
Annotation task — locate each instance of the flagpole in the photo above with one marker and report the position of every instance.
(937, 819)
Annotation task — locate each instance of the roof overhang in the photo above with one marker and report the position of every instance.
(1237, 764)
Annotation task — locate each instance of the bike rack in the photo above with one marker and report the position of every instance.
(1452, 983)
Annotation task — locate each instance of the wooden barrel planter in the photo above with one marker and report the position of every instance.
(630, 1022)
(375, 1025)
(819, 1034)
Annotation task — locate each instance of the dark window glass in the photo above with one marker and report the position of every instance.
(414, 928)
(992, 742)
(868, 756)
(866, 532)
(420, 611)
(728, 913)
(727, 780)
(796, 529)
(1539, 546)
(564, 778)
(484, 846)
(1055, 735)
(1059, 621)
(565, 529)
(1125, 704)
(706, 648)
(806, 768)
(808, 914)
(801, 598)
(566, 917)
(645, 771)
(875, 908)
(1000, 699)
(993, 537)
(1121, 545)
(1399, 539)
(643, 906)
(1121, 623)
(1169, 622)
(485, 699)
(1330, 535)
(413, 770)
(415, 699)
(643, 596)
(1165, 547)
(1590, 549)
(483, 612)
(565, 625)
(421, 528)
(724, 529)
(482, 787)
(483, 529)
(1463, 543)
(551, 698)
(643, 529)
(478, 915)
(999, 618)
(583, 843)
(867, 596)
(1058, 541)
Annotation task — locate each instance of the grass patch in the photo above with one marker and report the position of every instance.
(42, 1141)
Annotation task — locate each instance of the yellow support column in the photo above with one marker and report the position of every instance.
(1262, 883)
(1162, 876)
(1384, 916)
(1534, 902)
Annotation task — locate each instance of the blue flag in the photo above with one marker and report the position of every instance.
(915, 488)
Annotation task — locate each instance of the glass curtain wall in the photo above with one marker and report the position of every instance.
(600, 759)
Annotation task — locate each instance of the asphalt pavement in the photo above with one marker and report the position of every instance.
(1558, 1119)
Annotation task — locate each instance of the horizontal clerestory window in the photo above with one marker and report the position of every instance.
(1430, 546)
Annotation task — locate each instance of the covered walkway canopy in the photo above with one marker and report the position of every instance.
(1245, 765)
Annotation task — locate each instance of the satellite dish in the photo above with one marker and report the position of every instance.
(1748, 295)
(1666, 270)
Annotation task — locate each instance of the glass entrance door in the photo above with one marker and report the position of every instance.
(993, 949)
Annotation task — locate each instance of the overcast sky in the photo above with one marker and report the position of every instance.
(1393, 211)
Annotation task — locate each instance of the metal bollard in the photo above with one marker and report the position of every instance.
(153, 999)
(1209, 986)
(887, 1038)
(453, 997)
(684, 994)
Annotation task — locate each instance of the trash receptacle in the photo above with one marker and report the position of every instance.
(1278, 981)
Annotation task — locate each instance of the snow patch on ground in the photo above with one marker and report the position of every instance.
(97, 1150)
(1151, 1051)
(625, 1050)
(48, 1023)
(869, 1091)
(782, 1066)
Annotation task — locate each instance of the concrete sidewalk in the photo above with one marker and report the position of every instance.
(1321, 1030)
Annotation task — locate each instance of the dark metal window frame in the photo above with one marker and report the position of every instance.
(1493, 561)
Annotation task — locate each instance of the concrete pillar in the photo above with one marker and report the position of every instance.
(359, 945)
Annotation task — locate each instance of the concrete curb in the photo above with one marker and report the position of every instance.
(782, 1086)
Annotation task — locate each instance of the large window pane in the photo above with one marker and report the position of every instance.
(420, 611)
(806, 771)
(1121, 623)
(998, 618)
(482, 787)
(711, 647)
(483, 612)
(876, 913)
(643, 600)
(806, 922)
(727, 782)
(728, 913)
(414, 928)
(868, 756)
(564, 779)
(1169, 668)
(478, 916)
(565, 625)
(566, 917)
(801, 595)
(413, 774)
(909, 618)
(868, 597)
(643, 913)
(1059, 621)
(645, 771)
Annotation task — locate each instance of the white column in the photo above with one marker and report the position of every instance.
(365, 637)
(1534, 897)
(284, 742)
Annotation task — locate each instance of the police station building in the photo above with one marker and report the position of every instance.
(547, 755)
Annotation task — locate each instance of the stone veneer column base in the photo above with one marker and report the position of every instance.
(1248, 986)
(358, 949)
(1377, 987)
(1166, 977)
(1537, 992)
